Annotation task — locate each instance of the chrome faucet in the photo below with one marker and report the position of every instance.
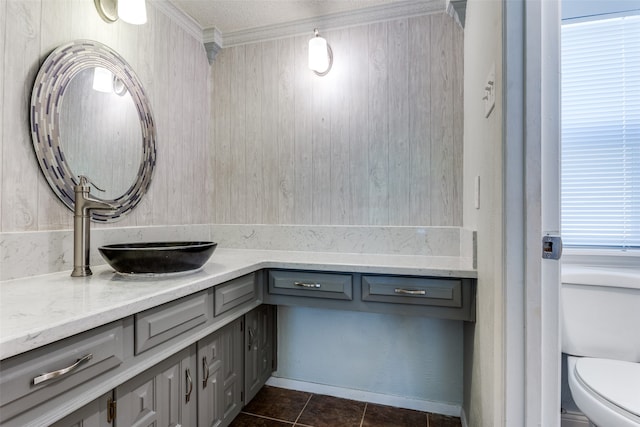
(82, 208)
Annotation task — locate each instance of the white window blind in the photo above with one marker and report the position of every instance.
(601, 133)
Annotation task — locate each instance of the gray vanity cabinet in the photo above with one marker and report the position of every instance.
(220, 375)
(163, 396)
(430, 296)
(259, 345)
(202, 385)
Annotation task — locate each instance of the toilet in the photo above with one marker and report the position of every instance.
(601, 337)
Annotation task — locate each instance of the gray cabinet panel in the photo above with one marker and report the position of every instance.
(311, 284)
(101, 349)
(159, 324)
(235, 292)
(441, 292)
(220, 379)
(259, 345)
(162, 396)
(137, 403)
(93, 414)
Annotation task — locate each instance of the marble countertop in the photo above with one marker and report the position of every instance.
(39, 310)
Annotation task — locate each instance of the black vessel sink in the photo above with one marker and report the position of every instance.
(157, 257)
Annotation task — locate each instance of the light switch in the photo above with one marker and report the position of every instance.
(490, 91)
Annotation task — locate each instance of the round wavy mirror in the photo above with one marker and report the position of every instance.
(90, 116)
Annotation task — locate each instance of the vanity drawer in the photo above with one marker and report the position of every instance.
(311, 284)
(160, 324)
(32, 378)
(433, 291)
(235, 292)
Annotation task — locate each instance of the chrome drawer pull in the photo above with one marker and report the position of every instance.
(307, 285)
(205, 370)
(55, 374)
(187, 397)
(410, 291)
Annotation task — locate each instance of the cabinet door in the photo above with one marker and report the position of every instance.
(220, 379)
(163, 396)
(93, 414)
(259, 349)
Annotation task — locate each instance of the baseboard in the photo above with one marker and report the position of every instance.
(463, 418)
(367, 396)
(574, 419)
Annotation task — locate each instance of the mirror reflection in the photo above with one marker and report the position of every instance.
(100, 131)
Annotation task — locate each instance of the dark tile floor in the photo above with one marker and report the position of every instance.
(278, 407)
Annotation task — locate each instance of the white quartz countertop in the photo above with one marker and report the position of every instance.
(39, 310)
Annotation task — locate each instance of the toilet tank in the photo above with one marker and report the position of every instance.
(600, 312)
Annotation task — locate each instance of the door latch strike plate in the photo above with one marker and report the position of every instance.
(551, 247)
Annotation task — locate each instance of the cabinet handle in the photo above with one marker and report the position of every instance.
(189, 386)
(55, 374)
(111, 410)
(307, 285)
(251, 337)
(205, 370)
(410, 291)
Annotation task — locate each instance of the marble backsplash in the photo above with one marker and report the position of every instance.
(25, 254)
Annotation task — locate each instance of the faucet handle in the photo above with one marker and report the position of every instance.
(85, 181)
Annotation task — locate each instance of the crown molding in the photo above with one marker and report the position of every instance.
(185, 22)
(213, 40)
(334, 21)
(458, 10)
(212, 35)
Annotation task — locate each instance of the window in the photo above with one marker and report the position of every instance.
(601, 133)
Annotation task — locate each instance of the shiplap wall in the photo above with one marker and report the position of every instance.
(172, 66)
(378, 141)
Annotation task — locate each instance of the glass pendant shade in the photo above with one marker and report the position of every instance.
(102, 80)
(318, 57)
(132, 11)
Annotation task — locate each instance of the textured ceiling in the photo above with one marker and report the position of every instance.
(238, 15)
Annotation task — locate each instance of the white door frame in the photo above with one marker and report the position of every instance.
(531, 46)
